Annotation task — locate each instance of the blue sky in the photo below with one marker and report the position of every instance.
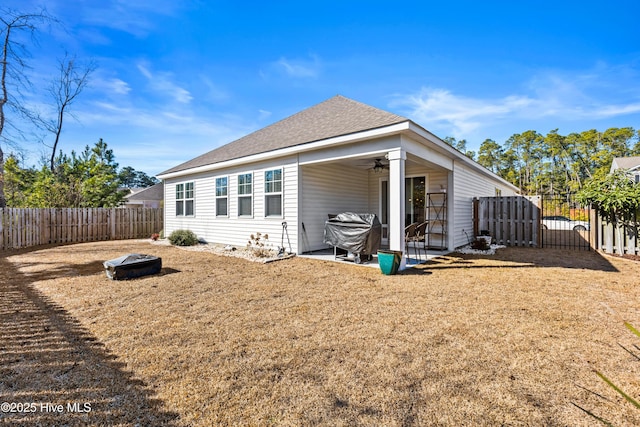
(176, 79)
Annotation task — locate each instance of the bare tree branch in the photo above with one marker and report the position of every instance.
(13, 64)
(65, 89)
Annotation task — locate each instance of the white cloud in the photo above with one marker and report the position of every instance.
(167, 121)
(550, 96)
(161, 82)
(616, 110)
(111, 86)
(154, 138)
(132, 17)
(263, 115)
(120, 87)
(299, 68)
(460, 114)
(215, 92)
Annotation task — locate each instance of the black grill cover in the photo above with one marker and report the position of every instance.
(132, 265)
(358, 233)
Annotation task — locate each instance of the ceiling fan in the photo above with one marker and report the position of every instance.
(378, 167)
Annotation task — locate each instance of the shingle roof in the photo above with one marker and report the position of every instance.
(336, 116)
(626, 162)
(155, 192)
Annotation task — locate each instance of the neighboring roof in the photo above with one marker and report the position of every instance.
(155, 192)
(625, 163)
(336, 116)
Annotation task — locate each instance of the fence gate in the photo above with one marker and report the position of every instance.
(566, 224)
(511, 221)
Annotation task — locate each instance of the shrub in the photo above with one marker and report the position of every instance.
(480, 244)
(183, 238)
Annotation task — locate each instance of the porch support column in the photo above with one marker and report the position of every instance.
(397, 160)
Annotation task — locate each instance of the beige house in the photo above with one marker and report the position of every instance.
(337, 156)
(150, 197)
(630, 164)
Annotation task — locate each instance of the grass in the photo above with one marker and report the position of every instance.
(512, 339)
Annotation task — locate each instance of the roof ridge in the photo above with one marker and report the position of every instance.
(333, 117)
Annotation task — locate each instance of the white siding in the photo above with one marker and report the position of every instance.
(437, 181)
(313, 190)
(468, 184)
(434, 179)
(236, 230)
(330, 189)
(374, 192)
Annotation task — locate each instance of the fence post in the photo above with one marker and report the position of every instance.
(593, 230)
(476, 220)
(538, 223)
(630, 239)
(112, 219)
(2, 229)
(504, 203)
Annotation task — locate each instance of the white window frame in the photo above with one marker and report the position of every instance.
(243, 195)
(271, 192)
(220, 197)
(182, 197)
(191, 199)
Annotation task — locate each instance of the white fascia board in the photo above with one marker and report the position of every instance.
(427, 152)
(456, 155)
(371, 148)
(296, 149)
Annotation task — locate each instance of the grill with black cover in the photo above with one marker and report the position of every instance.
(357, 234)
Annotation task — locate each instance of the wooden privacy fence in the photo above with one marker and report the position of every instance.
(622, 239)
(24, 227)
(511, 221)
(517, 221)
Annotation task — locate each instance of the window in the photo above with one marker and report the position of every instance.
(498, 192)
(245, 195)
(179, 199)
(273, 192)
(188, 198)
(184, 199)
(222, 194)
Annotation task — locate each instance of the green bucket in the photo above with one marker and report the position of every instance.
(389, 261)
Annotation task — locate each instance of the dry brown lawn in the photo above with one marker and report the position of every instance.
(511, 339)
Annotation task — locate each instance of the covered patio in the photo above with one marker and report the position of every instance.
(411, 260)
(401, 188)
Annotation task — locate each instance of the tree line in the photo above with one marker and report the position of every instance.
(87, 179)
(553, 163)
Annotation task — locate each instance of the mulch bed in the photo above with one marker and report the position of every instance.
(629, 256)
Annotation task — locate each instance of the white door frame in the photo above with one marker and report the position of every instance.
(424, 175)
(381, 181)
(381, 208)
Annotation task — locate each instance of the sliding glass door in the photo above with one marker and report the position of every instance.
(415, 195)
(415, 203)
(384, 209)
